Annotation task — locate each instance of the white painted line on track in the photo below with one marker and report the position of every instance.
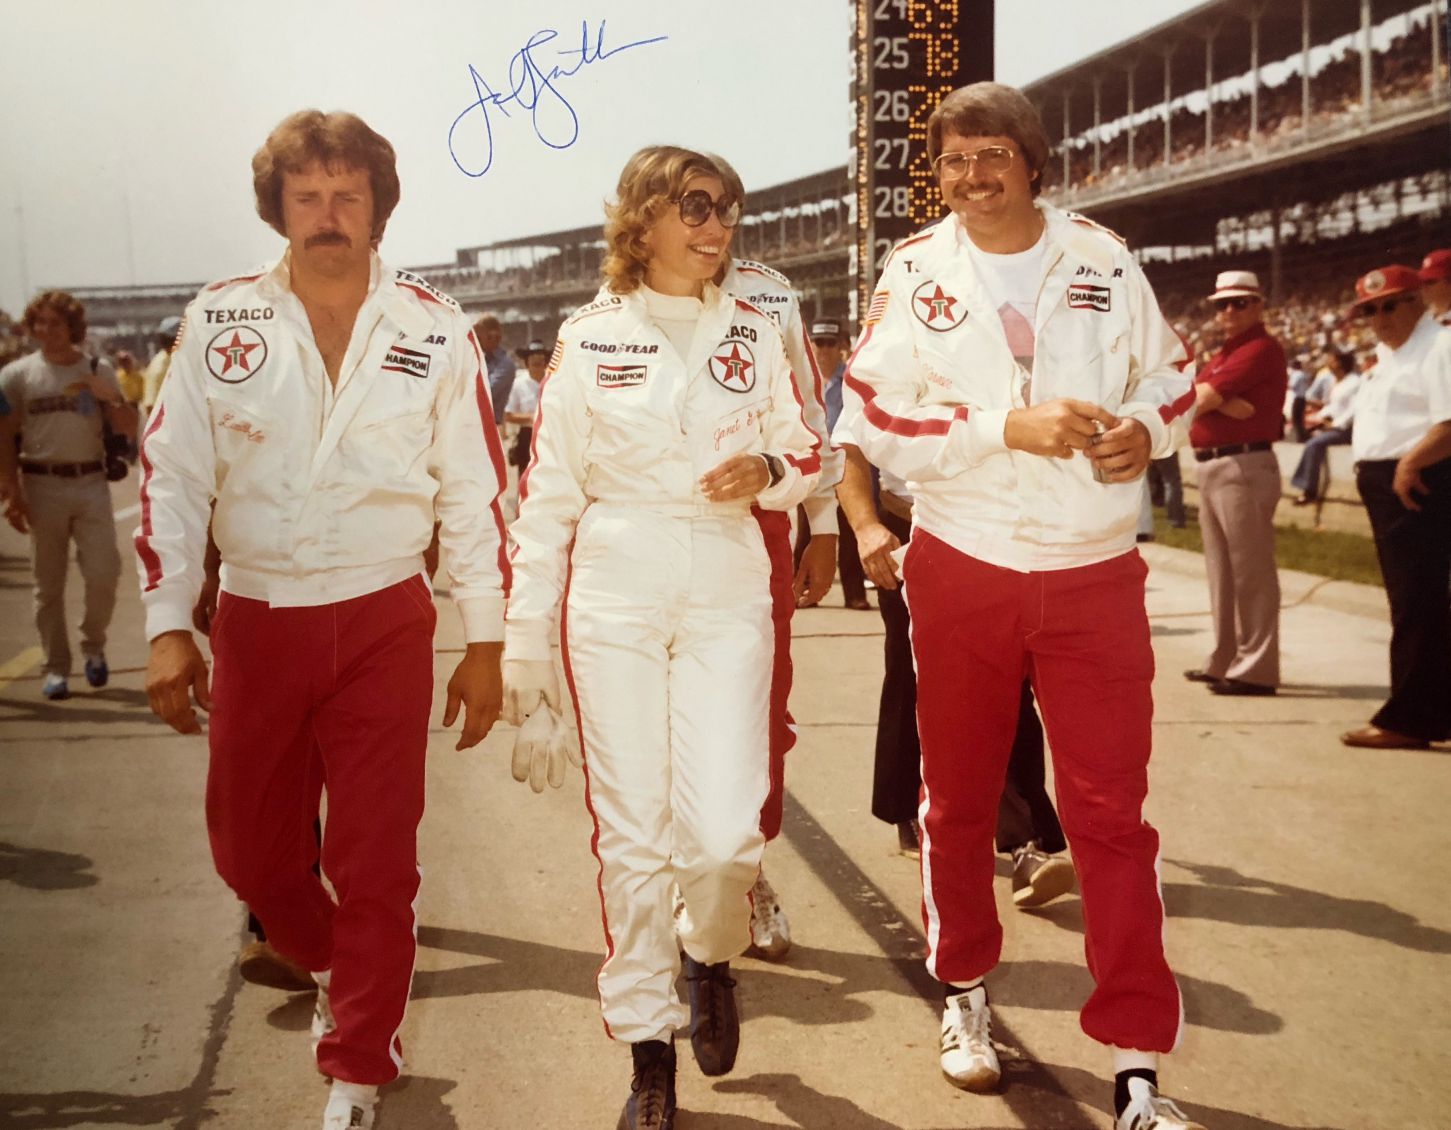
(12, 669)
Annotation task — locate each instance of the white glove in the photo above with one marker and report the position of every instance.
(539, 751)
(566, 734)
(527, 683)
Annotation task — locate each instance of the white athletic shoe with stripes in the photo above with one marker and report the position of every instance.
(770, 928)
(968, 1058)
(1149, 1110)
(350, 1106)
(322, 1011)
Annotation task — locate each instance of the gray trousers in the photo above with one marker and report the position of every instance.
(62, 511)
(1237, 499)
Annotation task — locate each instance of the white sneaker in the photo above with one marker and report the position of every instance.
(322, 1016)
(350, 1106)
(770, 929)
(1149, 1110)
(968, 1058)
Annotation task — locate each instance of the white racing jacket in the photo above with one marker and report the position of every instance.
(932, 379)
(773, 293)
(322, 495)
(623, 419)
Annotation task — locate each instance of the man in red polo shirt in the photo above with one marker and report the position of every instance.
(1239, 487)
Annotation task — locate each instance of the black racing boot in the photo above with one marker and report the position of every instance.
(651, 1105)
(715, 1025)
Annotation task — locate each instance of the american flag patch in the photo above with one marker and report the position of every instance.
(877, 308)
(556, 357)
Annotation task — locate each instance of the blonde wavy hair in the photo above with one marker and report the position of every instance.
(651, 181)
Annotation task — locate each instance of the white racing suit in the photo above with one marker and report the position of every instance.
(667, 624)
(773, 293)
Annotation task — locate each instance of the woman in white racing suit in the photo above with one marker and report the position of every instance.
(668, 449)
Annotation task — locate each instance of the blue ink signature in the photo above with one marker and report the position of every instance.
(533, 89)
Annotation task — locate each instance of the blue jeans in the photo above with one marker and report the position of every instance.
(1311, 467)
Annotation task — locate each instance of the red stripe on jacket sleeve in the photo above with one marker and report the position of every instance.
(150, 559)
(496, 457)
(1169, 412)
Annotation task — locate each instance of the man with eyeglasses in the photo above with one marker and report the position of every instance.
(1239, 487)
(1402, 446)
(1015, 371)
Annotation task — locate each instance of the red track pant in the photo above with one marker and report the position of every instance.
(335, 694)
(1082, 635)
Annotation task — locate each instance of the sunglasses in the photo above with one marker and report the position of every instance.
(1241, 303)
(1371, 309)
(696, 206)
(994, 160)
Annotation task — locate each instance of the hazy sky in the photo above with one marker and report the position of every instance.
(128, 125)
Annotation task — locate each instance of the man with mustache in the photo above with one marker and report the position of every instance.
(332, 409)
(1014, 370)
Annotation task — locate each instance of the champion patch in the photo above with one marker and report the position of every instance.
(234, 356)
(733, 366)
(936, 309)
(1082, 296)
(409, 361)
(620, 376)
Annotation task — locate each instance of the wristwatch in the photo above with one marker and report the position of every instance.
(774, 469)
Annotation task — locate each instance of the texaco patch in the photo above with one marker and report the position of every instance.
(733, 366)
(235, 355)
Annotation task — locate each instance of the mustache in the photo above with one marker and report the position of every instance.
(326, 238)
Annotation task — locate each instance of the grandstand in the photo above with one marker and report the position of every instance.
(1305, 139)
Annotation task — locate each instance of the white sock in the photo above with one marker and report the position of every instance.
(1130, 1059)
(359, 1093)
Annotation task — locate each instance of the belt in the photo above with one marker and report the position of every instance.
(1205, 454)
(62, 470)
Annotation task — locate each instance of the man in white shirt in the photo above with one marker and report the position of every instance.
(1015, 370)
(333, 408)
(1402, 446)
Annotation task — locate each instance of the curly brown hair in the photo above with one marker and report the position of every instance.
(990, 109)
(650, 181)
(63, 304)
(336, 140)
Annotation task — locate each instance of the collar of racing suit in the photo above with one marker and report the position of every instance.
(384, 290)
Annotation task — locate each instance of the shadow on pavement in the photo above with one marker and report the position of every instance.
(43, 870)
(90, 1108)
(1226, 895)
(417, 1102)
(77, 710)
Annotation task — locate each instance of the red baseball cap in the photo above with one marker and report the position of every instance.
(1386, 282)
(1436, 266)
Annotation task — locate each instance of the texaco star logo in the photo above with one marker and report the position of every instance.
(733, 366)
(1375, 282)
(234, 355)
(936, 309)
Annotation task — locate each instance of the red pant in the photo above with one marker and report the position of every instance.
(776, 532)
(1082, 635)
(336, 694)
